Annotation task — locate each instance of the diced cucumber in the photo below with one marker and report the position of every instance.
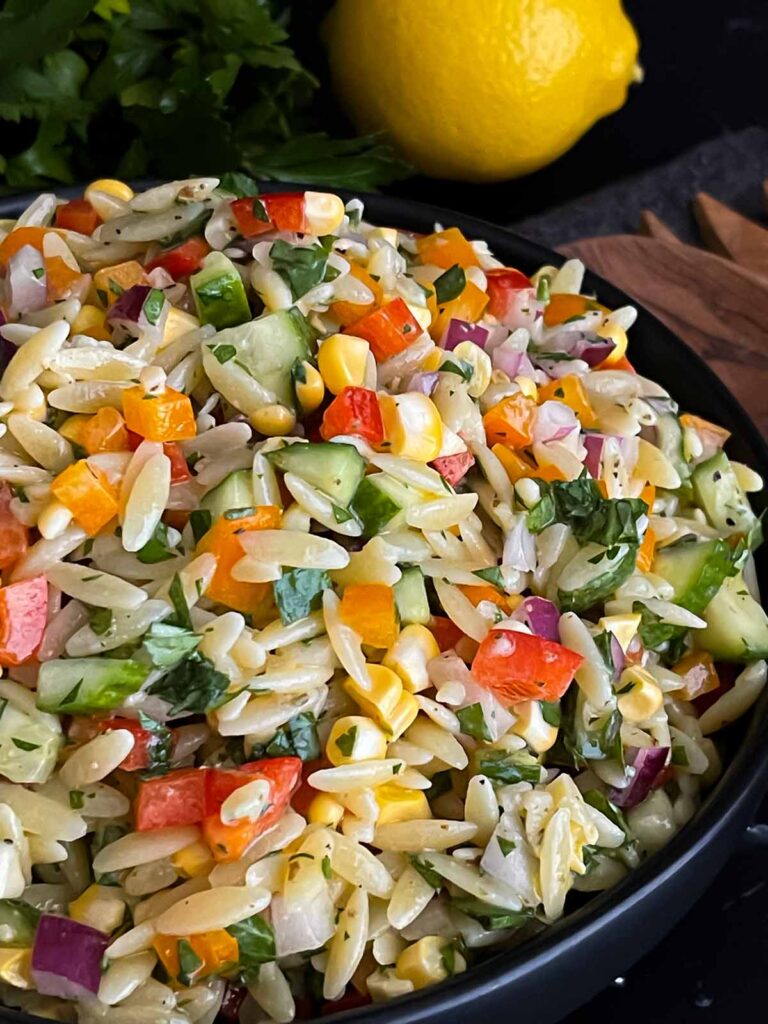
(696, 571)
(722, 498)
(411, 598)
(234, 491)
(737, 626)
(381, 503)
(335, 469)
(219, 292)
(669, 439)
(247, 363)
(594, 574)
(18, 923)
(28, 746)
(82, 685)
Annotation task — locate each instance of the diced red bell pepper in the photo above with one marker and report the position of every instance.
(446, 632)
(454, 468)
(354, 411)
(77, 215)
(277, 211)
(179, 469)
(503, 286)
(23, 616)
(182, 260)
(143, 740)
(520, 666)
(177, 798)
(388, 330)
(14, 536)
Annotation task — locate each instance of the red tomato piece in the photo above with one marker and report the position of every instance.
(23, 615)
(454, 468)
(177, 798)
(14, 536)
(504, 285)
(388, 330)
(354, 411)
(182, 260)
(520, 666)
(139, 756)
(77, 215)
(179, 468)
(278, 211)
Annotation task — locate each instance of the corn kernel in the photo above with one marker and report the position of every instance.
(273, 420)
(623, 627)
(480, 362)
(355, 738)
(402, 717)
(410, 654)
(195, 859)
(432, 360)
(397, 803)
(100, 907)
(530, 725)
(341, 360)
(310, 391)
(112, 187)
(92, 322)
(324, 810)
(381, 700)
(412, 425)
(177, 323)
(15, 967)
(643, 699)
(388, 235)
(323, 212)
(423, 962)
(53, 520)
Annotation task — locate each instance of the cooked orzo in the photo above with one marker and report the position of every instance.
(361, 608)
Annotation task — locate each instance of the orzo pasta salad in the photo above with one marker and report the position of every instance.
(362, 608)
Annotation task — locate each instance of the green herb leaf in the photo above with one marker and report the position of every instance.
(24, 744)
(472, 721)
(450, 284)
(299, 592)
(189, 962)
(296, 739)
(99, 619)
(550, 712)
(505, 845)
(425, 868)
(255, 941)
(168, 645)
(301, 267)
(580, 505)
(326, 867)
(76, 799)
(223, 353)
(156, 549)
(346, 742)
(461, 367)
(153, 305)
(200, 521)
(679, 755)
(492, 918)
(159, 747)
(192, 686)
(179, 601)
(491, 575)
(238, 185)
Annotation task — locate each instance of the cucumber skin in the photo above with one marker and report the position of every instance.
(321, 463)
(713, 497)
(714, 569)
(93, 695)
(728, 613)
(214, 498)
(412, 607)
(228, 309)
(600, 587)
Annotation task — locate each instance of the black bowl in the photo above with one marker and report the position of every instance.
(555, 972)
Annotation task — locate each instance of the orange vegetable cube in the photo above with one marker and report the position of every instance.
(222, 540)
(217, 950)
(711, 433)
(369, 609)
(517, 466)
(105, 431)
(469, 306)
(562, 306)
(699, 675)
(347, 312)
(60, 278)
(388, 330)
(446, 248)
(648, 495)
(110, 282)
(647, 551)
(570, 391)
(507, 602)
(510, 421)
(87, 494)
(18, 239)
(167, 416)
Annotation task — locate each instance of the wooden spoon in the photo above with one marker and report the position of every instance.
(729, 233)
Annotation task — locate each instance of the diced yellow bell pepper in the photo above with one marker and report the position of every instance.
(193, 860)
(177, 324)
(16, 967)
(397, 803)
(623, 627)
(87, 494)
(100, 906)
(469, 305)
(110, 282)
(423, 963)
(369, 609)
(92, 322)
(413, 428)
(410, 654)
(342, 360)
(570, 391)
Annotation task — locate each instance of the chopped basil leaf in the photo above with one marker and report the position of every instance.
(472, 721)
(450, 284)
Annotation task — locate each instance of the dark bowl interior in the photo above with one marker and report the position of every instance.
(565, 965)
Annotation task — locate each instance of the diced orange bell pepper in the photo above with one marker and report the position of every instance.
(446, 248)
(562, 306)
(167, 416)
(217, 951)
(648, 495)
(507, 602)
(61, 280)
(647, 551)
(104, 431)
(388, 330)
(712, 433)
(77, 215)
(14, 536)
(469, 305)
(571, 391)
(369, 609)
(510, 421)
(87, 494)
(347, 312)
(23, 616)
(18, 238)
(699, 675)
(110, 282)
(621, 364)
(223, 541)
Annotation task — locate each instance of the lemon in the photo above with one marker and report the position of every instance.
(480, 90)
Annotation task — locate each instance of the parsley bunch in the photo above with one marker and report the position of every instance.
(166, 88)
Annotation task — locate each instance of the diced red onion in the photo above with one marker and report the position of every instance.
(618, 657)
(234, 996)
(594, 443)
(424, 382)
(128, 311)
(507, 360)
(27, 287)
(541, 616)
(66, 959)
(460, 330)
(554, 421)
(594, 352)
(647, 763)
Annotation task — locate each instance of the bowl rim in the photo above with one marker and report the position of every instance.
(745, 777)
